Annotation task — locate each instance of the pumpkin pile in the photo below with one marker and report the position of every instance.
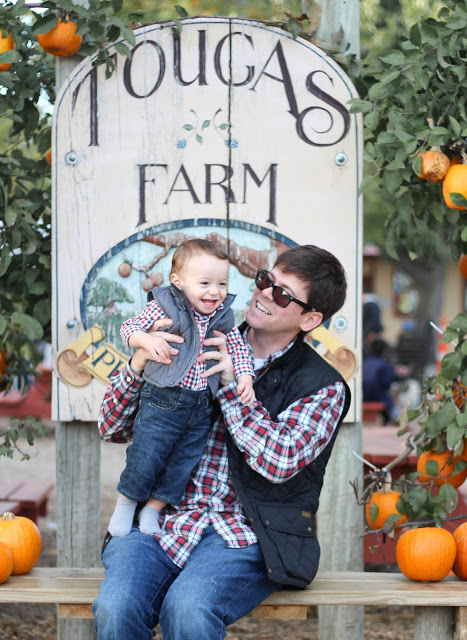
(437, 167)
(20, 545)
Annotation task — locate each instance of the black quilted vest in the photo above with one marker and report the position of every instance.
(283, 515)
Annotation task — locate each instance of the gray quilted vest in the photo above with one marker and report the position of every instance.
(176, 307)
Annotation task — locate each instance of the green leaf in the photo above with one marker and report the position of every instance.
(10, 56)
(458, 199)
(393, 57)
(440, 419)
(373, 512)
(448, 496)
(30, 326)
(454, 433)
(45, 24)
(417, 499)
(415, 36)
(451, 365)
(389, 77)
(459, 322)
(117, 5)
(183, 13)
(123, 50)
(3, 324)
(455, 126)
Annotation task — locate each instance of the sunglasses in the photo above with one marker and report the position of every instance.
(280, 296)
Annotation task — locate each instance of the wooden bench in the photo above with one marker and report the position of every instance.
(440, 607)
(31, 495)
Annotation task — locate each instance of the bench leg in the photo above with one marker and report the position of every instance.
(461, 623)
(434, 623)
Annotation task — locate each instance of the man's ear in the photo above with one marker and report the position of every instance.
(311, 320)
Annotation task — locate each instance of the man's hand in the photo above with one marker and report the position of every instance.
(224, 364)
(154, 345)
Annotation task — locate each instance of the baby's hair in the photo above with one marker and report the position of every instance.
(196, 246)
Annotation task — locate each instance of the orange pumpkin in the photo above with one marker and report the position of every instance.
(386, 501)
(455, 182)
(446, 469)
(6, 562)
(24, 540)
(48, 157)
(463, 265)
(435, 165)
(62, 40)
(6, 44)
(460, 563)
(426, 554)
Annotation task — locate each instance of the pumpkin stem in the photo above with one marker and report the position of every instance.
(435, 148)
(464, 157)
(8, 516)
(387, 483)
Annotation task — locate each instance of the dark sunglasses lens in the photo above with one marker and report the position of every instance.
(280, 297)
(262, 280)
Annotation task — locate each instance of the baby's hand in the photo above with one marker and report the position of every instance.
(155, 344)
(245, 389)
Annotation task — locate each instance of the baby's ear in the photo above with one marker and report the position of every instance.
(174, 279)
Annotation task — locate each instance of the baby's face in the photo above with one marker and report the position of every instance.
(203, 279)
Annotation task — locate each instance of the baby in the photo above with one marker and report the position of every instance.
(174, 415)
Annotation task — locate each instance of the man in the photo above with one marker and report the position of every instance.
(246, 524)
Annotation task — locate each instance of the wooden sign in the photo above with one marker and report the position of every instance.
(234, 131)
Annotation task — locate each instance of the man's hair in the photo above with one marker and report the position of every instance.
(321, 272)
(195, 246)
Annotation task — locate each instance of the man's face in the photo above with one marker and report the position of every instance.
(265, 315)
(203, 279)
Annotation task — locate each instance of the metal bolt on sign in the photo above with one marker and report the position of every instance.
(71, 158)
(341, 159)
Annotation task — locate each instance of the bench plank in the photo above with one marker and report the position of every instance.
(80, 586)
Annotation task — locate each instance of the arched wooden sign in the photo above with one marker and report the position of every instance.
(235, 131)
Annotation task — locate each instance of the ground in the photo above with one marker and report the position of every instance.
(38, 622)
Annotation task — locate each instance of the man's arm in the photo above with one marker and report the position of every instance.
(280, 449)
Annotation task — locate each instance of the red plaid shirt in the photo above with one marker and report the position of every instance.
(276, 449)
(235, 345)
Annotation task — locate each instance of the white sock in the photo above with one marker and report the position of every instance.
(149, 521)
(122, 519)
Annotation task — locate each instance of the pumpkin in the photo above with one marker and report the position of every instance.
(435, 165)
(426, 554)
(386, 501)
(62, 40)
(460, 563)
(48, 157)
(6, 562)
(6, 44)
(463, 265)
(24, 540)
(446, 469)
(455, 182)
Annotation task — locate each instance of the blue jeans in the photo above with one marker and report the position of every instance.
(142, 588)
(169, 436)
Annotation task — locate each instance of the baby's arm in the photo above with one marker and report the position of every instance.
(245, 389)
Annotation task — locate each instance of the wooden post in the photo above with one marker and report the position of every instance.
(78, 482)
(434, 623)
(340, 519)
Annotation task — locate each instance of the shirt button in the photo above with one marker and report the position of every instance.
(128, 379)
